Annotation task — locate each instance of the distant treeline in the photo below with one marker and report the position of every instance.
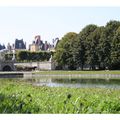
(97, 47)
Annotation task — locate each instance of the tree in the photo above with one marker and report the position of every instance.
(79, 53)
(115, 50)
(64, 51)
(105, 43)
(93, 41)
(80, 47)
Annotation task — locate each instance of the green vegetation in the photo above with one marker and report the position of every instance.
(19, 97)
(92, 46)
(64, 53)
(112, 72)
(27, 56)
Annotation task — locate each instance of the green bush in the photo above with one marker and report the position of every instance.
(33, 56)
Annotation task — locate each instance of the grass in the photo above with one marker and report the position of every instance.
(19, 97)
(61, 72)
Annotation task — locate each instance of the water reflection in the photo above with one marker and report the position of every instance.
(74, 82)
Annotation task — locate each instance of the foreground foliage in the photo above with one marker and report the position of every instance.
(19, 97)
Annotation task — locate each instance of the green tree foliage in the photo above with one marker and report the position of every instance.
(33, 56)
(96, 47)
(115, 50)
(105, 42)
(92, 48)
(64, 51)
(89, 45)
(82, 45)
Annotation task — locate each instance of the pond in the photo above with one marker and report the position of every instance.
(75, 82)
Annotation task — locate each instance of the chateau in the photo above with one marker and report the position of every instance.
(37, 45)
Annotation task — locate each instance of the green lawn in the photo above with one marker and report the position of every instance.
(80, 72)
(19, 97)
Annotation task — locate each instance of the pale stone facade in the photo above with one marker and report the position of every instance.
(34, 48)
(48, 65)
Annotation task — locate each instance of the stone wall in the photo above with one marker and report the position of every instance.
(4, 65)
(39, 65)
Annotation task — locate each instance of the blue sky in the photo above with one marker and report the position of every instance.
(50, 22)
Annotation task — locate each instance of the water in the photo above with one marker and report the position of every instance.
(68, 81)
(76, 82)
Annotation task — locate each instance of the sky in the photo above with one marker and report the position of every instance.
(50, 22)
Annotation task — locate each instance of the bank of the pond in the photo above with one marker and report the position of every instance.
(80, 74)
(18, 97)
(56, 72)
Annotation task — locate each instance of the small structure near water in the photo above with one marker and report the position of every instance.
(6, 65)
